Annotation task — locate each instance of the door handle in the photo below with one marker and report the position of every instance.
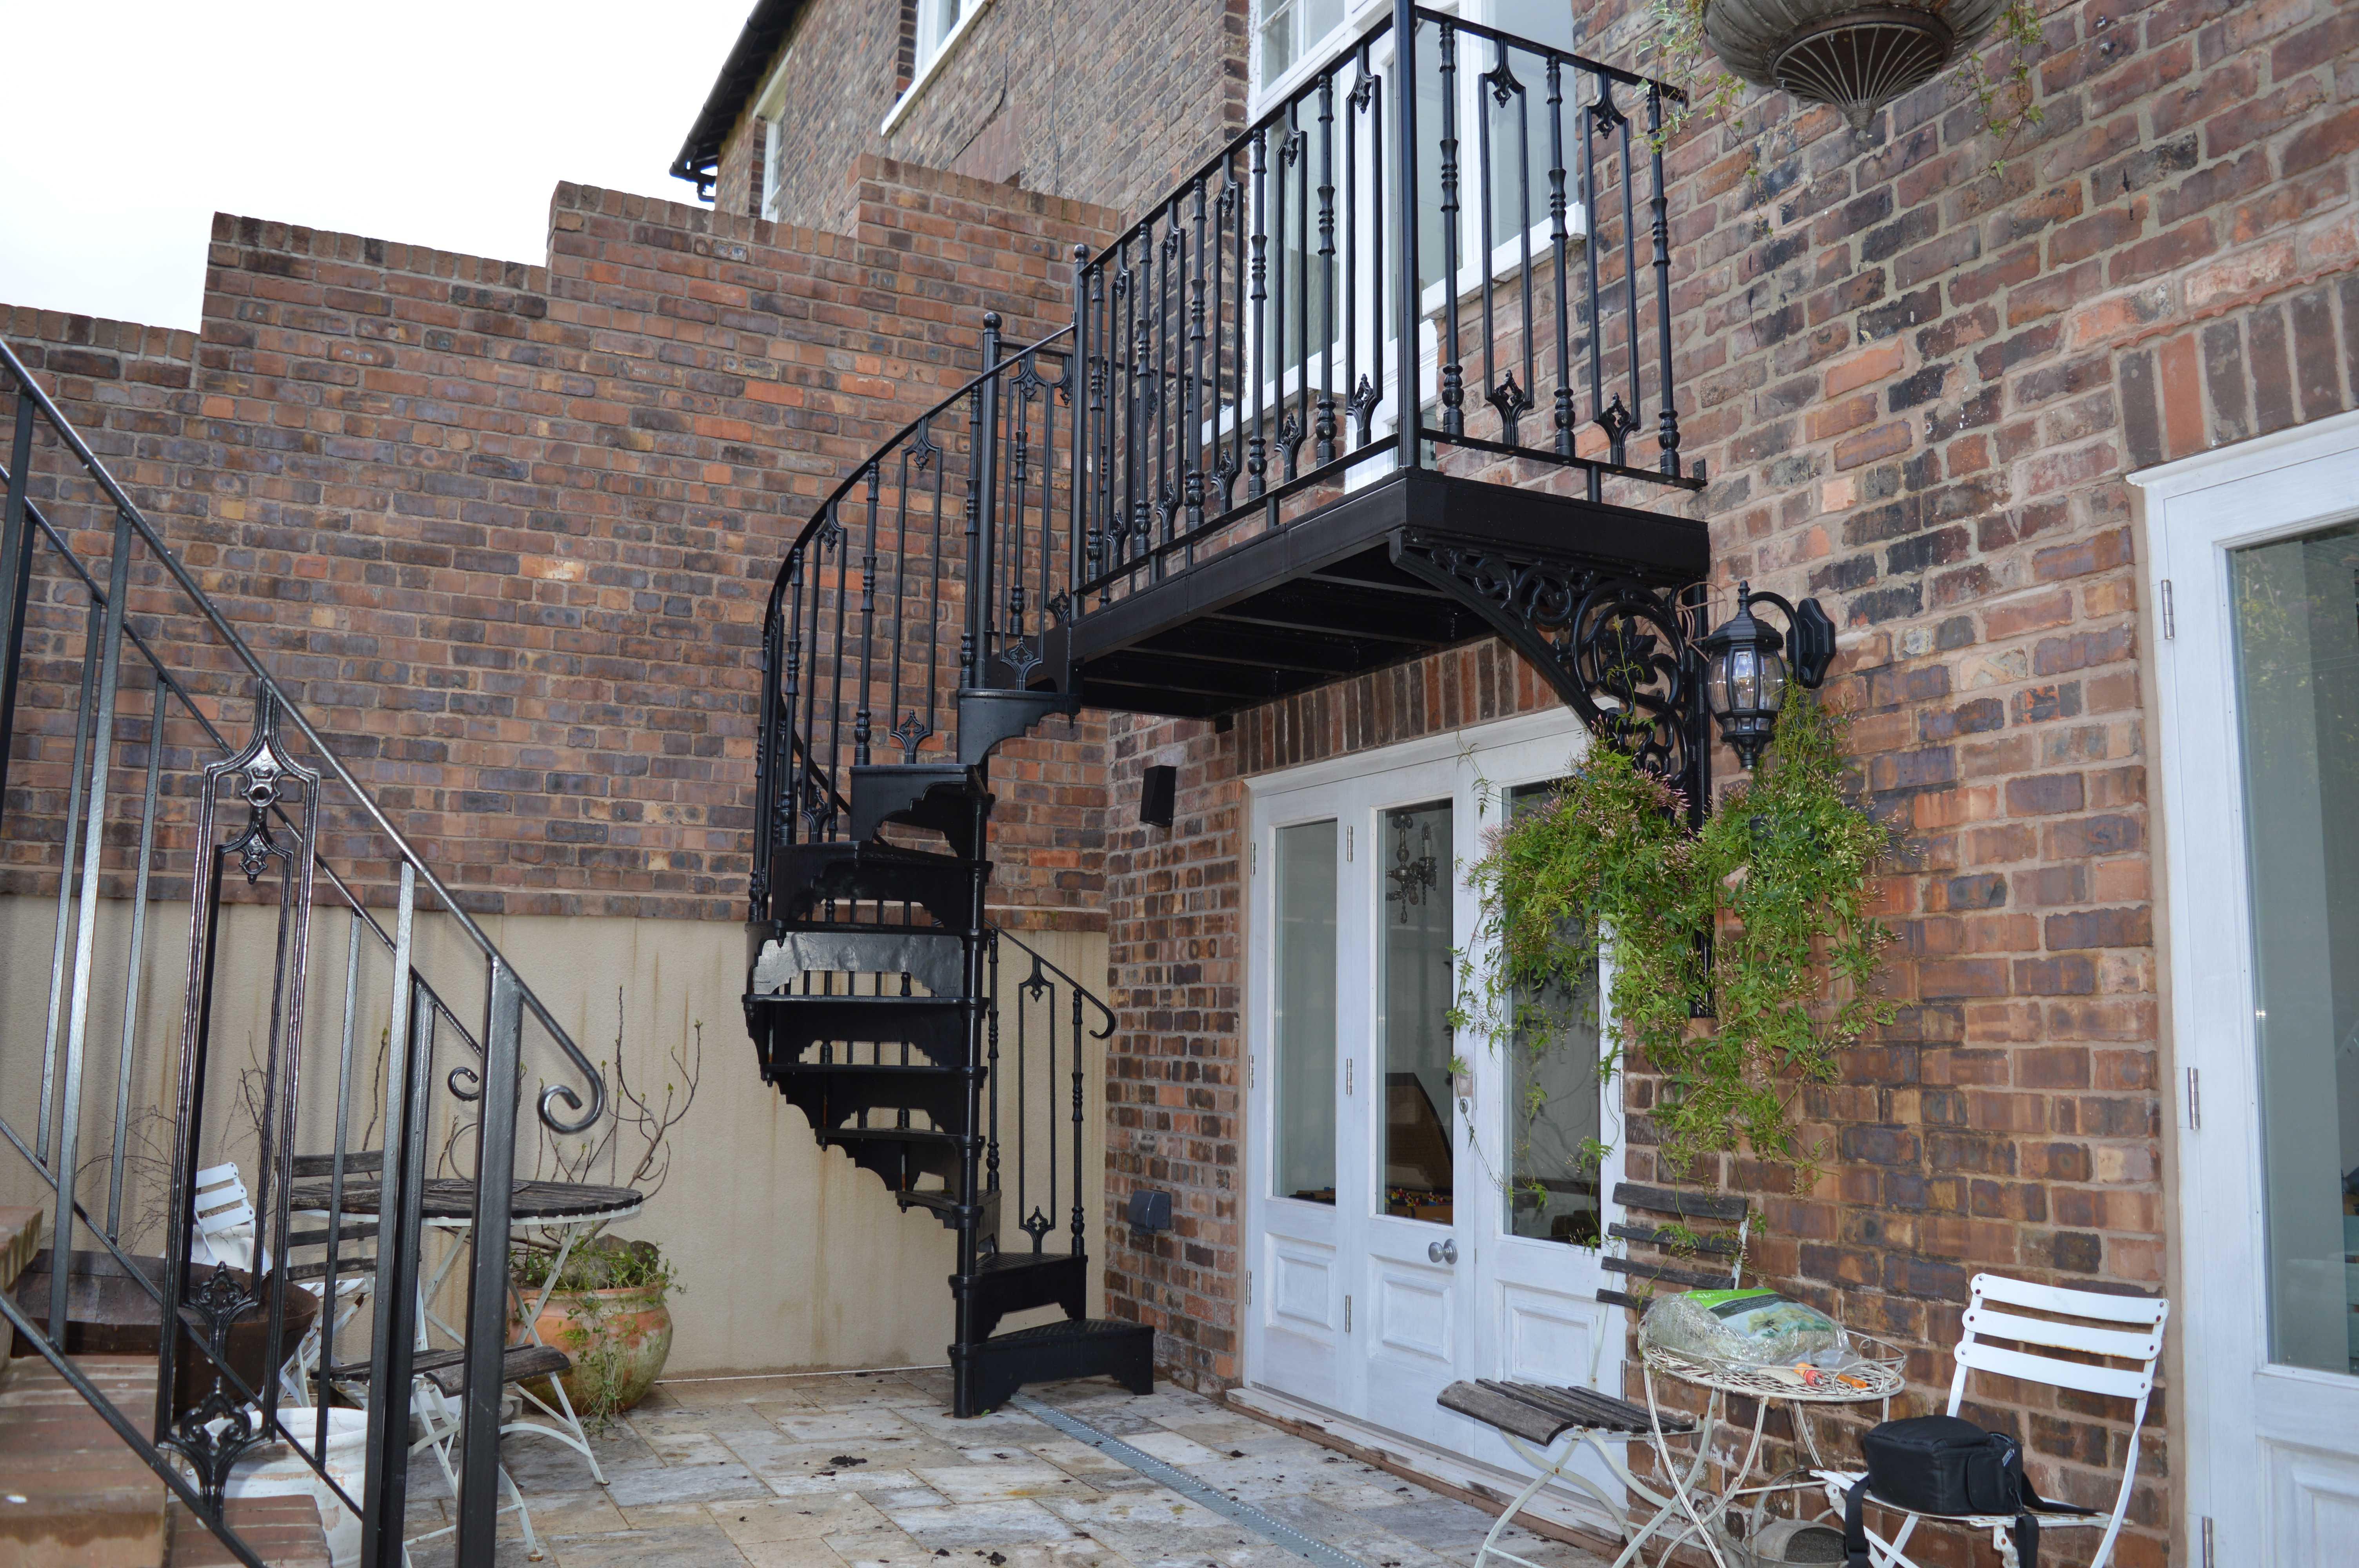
(1442, 1252)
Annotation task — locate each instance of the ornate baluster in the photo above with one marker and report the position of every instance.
(1557, 238)
(861, 720)
(1324, 427)
(1257, 446)
(1453, 370)
(1669, 421)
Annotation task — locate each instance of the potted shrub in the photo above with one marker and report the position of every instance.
(610, 1312)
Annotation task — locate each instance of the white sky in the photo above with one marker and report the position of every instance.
(436, 121)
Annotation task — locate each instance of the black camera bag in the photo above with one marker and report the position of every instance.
(1940, 1465)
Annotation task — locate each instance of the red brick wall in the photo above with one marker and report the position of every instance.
(1112, 109)
(1917, 380)
(507, 529)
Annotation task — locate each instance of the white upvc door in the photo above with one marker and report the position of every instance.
(2254, 570)
(1407, 1225)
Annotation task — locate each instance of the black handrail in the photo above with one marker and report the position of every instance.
(272, 835)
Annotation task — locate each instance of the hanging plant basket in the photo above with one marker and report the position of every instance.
(1855, 57)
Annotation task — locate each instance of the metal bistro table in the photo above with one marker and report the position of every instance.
(569, 1208)
(1876, 1378)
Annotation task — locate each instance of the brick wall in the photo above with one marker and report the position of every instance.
(507, 529)
(1109, 105)
(1916, 379)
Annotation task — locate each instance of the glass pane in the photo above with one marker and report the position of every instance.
(949, 20)
(1553, 1098)
(1276, 39)
(1420, 1112)
(2298, 687)
(1304, 1046)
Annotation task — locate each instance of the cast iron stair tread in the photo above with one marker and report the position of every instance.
(929, 955)
(810, 878)
(1053, 1352)
(1015, 1262)
(913, 1135)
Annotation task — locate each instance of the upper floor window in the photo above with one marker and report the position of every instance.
(932, 28)
(1291, 32)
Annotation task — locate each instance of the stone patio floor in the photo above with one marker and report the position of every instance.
(868, 1470)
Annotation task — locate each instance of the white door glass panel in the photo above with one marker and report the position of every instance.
(1303, 1084)
(1554, 1115)
(1301, 1253)
(2297, 627)
(1419, 1105)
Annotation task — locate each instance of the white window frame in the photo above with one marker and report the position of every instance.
(931, 58)
(770, 111)
(2262, 1447)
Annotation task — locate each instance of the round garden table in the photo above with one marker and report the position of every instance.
(448, 1203)
(1875, 1378)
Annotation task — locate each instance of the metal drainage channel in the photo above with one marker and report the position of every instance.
(1187, 1485)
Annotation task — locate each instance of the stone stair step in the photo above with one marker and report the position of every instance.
(20, 1238)
(71, 1492)
(283, 1532)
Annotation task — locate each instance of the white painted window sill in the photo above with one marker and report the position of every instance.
(931, 68)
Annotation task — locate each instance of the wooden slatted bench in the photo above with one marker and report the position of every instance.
(1533, 1417)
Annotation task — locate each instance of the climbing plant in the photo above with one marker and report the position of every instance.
(1779, 877)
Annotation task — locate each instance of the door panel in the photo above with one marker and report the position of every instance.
(2258, 724)
(1410, 1274)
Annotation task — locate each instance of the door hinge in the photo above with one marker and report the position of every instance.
(1252, 859)
(2169, 619)
(2207, 1562)
(1248, 1287)
(1347, 842)
(2194, 1100)
(1347, 1074)
(1347, 1314)
(1252, 1078)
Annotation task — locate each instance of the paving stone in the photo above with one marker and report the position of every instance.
(985, 1482)
(962, 1526)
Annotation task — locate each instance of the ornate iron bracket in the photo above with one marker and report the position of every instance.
(1617, 649)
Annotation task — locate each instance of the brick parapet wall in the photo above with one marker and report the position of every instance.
(506, 530)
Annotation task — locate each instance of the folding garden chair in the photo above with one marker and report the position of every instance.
(2116, 1329)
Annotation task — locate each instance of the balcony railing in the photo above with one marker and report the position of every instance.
(1478, 240)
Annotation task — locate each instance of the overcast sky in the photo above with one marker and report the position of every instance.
(435, 122)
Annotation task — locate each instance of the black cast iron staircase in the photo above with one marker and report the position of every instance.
(1373, 382)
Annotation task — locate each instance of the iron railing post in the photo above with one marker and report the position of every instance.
(980, 583)
(1405, 279)
(384, 1496)
(487, 1286)
(101, 761)
(16, 574)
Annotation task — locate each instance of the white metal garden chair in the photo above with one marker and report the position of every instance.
(2117, 1328)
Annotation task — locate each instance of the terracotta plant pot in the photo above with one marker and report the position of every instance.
(618, 1339)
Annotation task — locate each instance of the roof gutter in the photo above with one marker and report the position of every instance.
(741, 76)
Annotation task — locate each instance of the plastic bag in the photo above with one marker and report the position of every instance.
(1746, 1328)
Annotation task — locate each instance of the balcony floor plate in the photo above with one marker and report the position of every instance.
(1325, 598)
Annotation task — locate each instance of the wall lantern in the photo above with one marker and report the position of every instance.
(1745, 672)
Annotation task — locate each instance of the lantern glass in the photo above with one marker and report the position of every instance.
(1747, 678)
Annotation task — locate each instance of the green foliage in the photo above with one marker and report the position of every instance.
(599, 1263)
(1779, 877)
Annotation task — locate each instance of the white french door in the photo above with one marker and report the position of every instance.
(1422, 1206)
(2254, 561)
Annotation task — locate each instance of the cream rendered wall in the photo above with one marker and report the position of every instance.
(789, 1257)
